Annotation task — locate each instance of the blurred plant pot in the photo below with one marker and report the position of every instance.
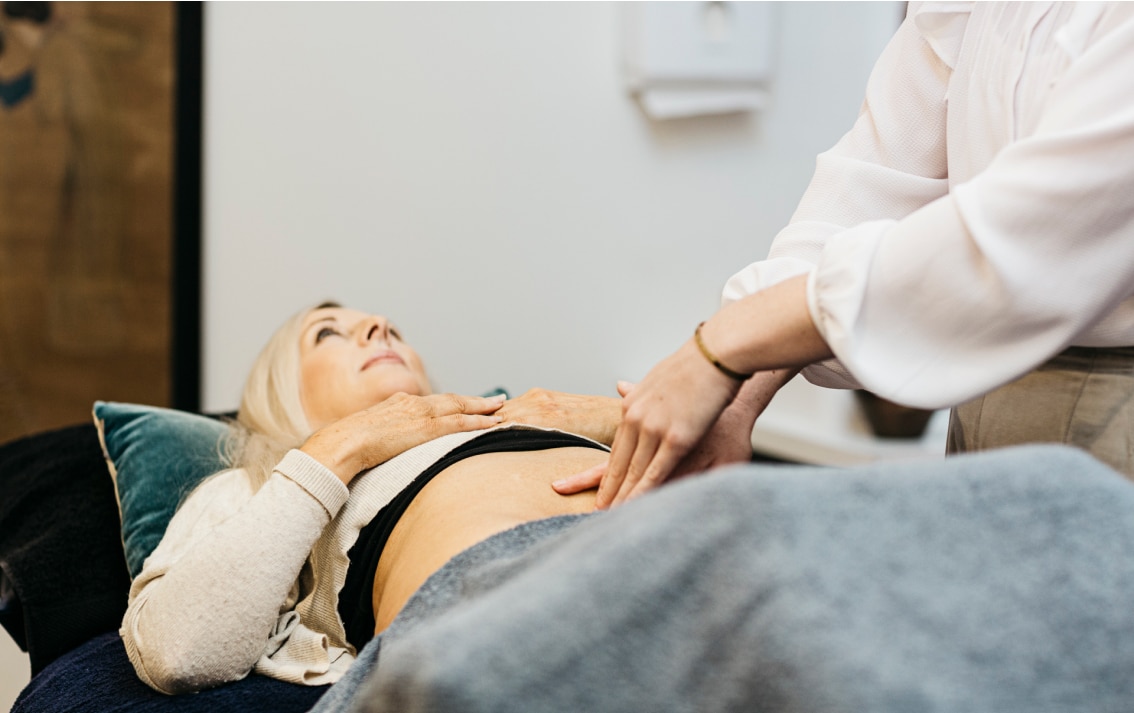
(890, 420)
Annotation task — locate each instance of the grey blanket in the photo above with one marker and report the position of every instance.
(994, 582)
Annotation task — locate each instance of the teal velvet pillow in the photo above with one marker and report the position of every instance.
(156, 456)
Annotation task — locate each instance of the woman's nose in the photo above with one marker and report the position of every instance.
(374, 328)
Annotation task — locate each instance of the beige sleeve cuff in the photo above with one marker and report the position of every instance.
(315, 478)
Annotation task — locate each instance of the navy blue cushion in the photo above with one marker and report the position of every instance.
(97, 678)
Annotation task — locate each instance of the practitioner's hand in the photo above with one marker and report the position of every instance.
(595, 417)
(728, 441)
(663, 418)
(674, 407)
(377, 434)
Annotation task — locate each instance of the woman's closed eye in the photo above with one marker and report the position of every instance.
(324, 333)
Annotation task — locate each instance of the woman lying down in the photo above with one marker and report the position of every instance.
(945, 586)
(353, 486)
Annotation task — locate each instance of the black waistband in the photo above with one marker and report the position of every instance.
(355, 600)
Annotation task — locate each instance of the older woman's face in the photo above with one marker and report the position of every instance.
(351, 360)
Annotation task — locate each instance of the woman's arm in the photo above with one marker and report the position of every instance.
(207, 600)
(217, 592)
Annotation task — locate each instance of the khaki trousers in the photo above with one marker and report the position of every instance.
(1083, 397)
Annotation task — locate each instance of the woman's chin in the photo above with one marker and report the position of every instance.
(413, 388)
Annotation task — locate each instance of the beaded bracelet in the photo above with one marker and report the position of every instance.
(713, 360)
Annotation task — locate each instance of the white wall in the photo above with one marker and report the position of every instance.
(478, 172)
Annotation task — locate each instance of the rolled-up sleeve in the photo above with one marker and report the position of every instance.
(982, 285)
(889, 164)
(930, 297)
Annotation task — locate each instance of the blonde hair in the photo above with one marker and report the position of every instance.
(271, 420)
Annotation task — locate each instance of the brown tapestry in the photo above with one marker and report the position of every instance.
(86, 146)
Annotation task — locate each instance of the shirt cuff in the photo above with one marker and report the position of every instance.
(315, 478)
(762, 275)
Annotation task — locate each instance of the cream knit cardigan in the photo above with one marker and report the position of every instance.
(248, 580)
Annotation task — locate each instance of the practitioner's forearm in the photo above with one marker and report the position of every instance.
(756, 393)
(770, 332)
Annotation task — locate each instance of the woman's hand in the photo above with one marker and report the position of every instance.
(595, 417)
(377, 434)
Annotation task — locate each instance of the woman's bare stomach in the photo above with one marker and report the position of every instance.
(467, 502)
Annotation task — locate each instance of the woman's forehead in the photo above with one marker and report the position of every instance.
(338, 314)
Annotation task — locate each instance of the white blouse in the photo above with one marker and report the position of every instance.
(979, 216)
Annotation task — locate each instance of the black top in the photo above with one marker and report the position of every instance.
(356, 598)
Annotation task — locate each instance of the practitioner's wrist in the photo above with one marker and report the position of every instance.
(711, 355)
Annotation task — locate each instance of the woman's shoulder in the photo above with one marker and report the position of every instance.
(215, 499)
(217, 496)
(230, 481)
